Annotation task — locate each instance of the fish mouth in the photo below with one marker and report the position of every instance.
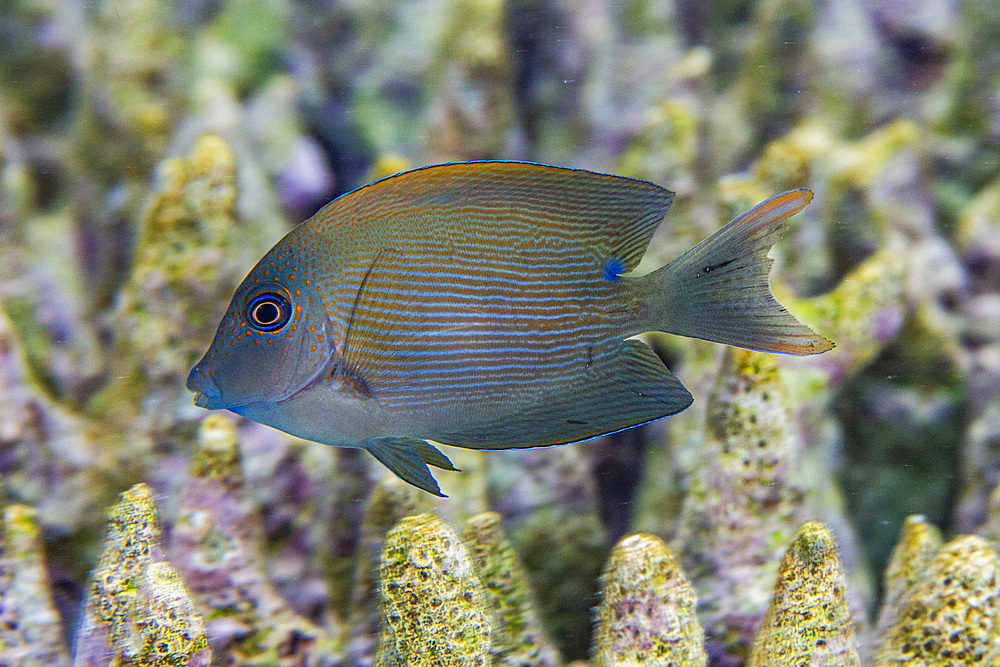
(206, 392)
(209, 403)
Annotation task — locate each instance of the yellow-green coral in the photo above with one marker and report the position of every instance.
(808, 622)
(647, 611)
(186, 265)
(138, 612)
(740, 497)
(194, 208)
(435, 605)
(950, 616)
(919, 542)
(30, 627)
(742, 506)
(518, 636)
(862, 315)
(391, 500)
(132, 56)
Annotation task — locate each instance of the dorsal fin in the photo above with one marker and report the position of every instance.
(505, 207)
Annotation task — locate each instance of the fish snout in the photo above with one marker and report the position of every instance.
(200, 381)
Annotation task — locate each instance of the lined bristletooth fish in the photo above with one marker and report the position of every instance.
(483, 305)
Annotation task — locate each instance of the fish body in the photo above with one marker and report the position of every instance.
(483, 305)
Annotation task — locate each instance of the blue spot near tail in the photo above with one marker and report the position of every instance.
(614, 267)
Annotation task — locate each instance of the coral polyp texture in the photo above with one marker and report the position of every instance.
(434, 603)
(951, 615)
(647, 611)
(152, 151)
(138, 610)
(808, 622)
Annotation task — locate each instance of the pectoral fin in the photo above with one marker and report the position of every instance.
(408, 459)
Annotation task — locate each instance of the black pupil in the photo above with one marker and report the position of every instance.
(267, 313)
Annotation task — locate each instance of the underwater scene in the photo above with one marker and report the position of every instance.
(839, 508)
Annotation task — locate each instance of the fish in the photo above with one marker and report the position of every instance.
(486, 305)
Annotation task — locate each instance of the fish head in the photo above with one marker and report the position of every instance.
(274, 340)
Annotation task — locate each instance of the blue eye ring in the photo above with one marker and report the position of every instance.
(268, 311)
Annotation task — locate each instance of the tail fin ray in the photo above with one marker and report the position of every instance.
(719, 290)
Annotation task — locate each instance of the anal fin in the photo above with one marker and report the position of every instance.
(408, 459)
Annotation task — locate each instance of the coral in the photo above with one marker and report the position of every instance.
(951, 613)
(808, 621)
(151, 151)
(647, 611)
(391, 500)
(181, 273)
(131, 61)
(138, 611)
(917, 546)
(30, 627)
(518, 637)
(863, 315)
(742, 505)
(217, 546)
(435, 605)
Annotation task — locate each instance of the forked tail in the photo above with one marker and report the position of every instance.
(718, 290)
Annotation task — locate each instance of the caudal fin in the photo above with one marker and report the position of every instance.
(719, 291)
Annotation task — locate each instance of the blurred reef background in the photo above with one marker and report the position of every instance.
(843, 509)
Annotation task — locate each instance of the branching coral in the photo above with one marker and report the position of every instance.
(435, 605)
(647, 610)
(138, 612)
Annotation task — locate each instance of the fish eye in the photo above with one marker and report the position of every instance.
(268, 311)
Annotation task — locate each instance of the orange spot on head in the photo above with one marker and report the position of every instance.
(291, 276)
(308, 282)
